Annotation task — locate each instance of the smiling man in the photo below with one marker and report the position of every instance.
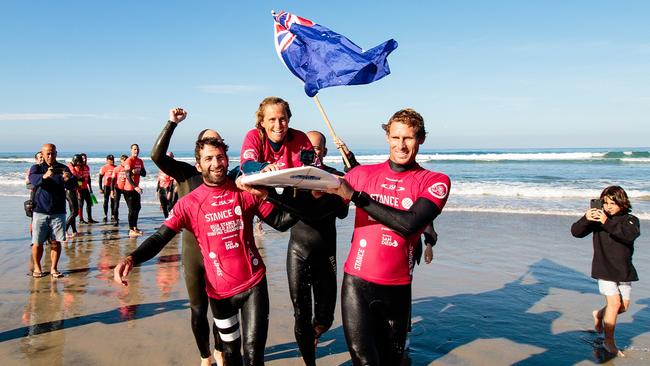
(220, 216)
(395, 201)
(272, 145)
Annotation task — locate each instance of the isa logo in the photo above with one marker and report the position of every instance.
(439, 190)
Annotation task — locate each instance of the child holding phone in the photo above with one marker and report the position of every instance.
(614, 231)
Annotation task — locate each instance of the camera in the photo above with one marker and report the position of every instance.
(307, 157)
(596, 203)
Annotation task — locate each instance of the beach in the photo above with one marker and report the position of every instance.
(503, 289)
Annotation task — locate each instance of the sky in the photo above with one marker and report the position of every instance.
(98, 76)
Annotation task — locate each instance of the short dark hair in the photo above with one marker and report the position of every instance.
(618, 195)
(124, 157)
(410, 118)
(110, 157)
(136, 145)
(208, 141)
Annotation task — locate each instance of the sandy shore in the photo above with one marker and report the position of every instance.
(503, 289)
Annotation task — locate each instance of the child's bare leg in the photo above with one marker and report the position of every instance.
(598, 319)
(609, 322)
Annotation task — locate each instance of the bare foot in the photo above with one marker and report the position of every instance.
(218, 356)
(611, 348)
(598, 323)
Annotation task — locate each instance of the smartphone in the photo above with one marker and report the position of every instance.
(596, 203)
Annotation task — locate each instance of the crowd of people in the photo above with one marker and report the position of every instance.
(396, 203)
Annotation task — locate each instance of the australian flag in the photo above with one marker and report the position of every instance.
(322, 58)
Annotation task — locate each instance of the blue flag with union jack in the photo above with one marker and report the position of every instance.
(323, 58)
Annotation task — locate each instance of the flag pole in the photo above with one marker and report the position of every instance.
(329, 126)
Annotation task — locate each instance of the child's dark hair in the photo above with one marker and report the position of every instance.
(618, 195)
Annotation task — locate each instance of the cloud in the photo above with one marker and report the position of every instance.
(229, 88)
(48, 116)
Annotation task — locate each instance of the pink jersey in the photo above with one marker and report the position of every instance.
(379, 254)
(164, 180)
(135, 165)
(221, 218)
(107, 172)
(85, 177)
(288, 156)
(119, 176)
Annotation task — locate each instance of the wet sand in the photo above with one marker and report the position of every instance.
(503, 289)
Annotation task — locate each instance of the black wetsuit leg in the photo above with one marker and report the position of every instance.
(108, 201)
(133, 202)
(195, 283)
(73, 205)
(84, 197)
(164, 202)
(116, 204)
(311, 267)
(375, 320)
(254, 306)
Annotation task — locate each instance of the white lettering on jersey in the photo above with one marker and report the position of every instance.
(388, 241)
(214, 216)
(387, 200)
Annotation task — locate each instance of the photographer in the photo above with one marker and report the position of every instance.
(49, 179)
(614, 231)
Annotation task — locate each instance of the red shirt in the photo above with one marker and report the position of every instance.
(221, 219)
(107, 172)
(288, 156)
(135, 165)
(78, 173)
(119, 176)
(164, 180)
(379, 254)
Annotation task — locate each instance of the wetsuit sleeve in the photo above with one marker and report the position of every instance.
(625, 230)
(352, 160)
(143, 172)
(280, 220)
(406, 223)
(101, 179)
(582, 227)
(308, 209)
(178, 170)
(430, 235)
(153, 245)
(72, 181)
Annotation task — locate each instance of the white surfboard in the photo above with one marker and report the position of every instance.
(306, 177)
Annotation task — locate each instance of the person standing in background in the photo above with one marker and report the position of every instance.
(84, 191)
(105, 186)
(134, 169)
(119, 179)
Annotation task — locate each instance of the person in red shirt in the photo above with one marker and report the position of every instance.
(72, 196)
(105, 184)
(395, 201)
(165, 190)
(134, 169)
(272, 145)
(84, 191)
(220, 215)
(117, 187)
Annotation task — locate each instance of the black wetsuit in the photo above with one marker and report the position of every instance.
(73, 205)
(188, 178)
(311, 267)
(376, 317)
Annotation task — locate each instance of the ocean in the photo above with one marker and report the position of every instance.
(524, 181)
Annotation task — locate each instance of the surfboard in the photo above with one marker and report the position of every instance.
(305, 177)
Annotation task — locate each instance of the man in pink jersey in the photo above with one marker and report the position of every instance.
(134, 169)
(220, 216)
(395, 201)
(119, 179)
(272, 145)
(105, 186)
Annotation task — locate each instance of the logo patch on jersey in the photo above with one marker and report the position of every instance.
(250, 154)
(363, 243)
(388, 240)
(212, 255)
(439, 190)
(171, 214)
(407, 203)
(392, 187)
(222, 202)
(238, 210)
